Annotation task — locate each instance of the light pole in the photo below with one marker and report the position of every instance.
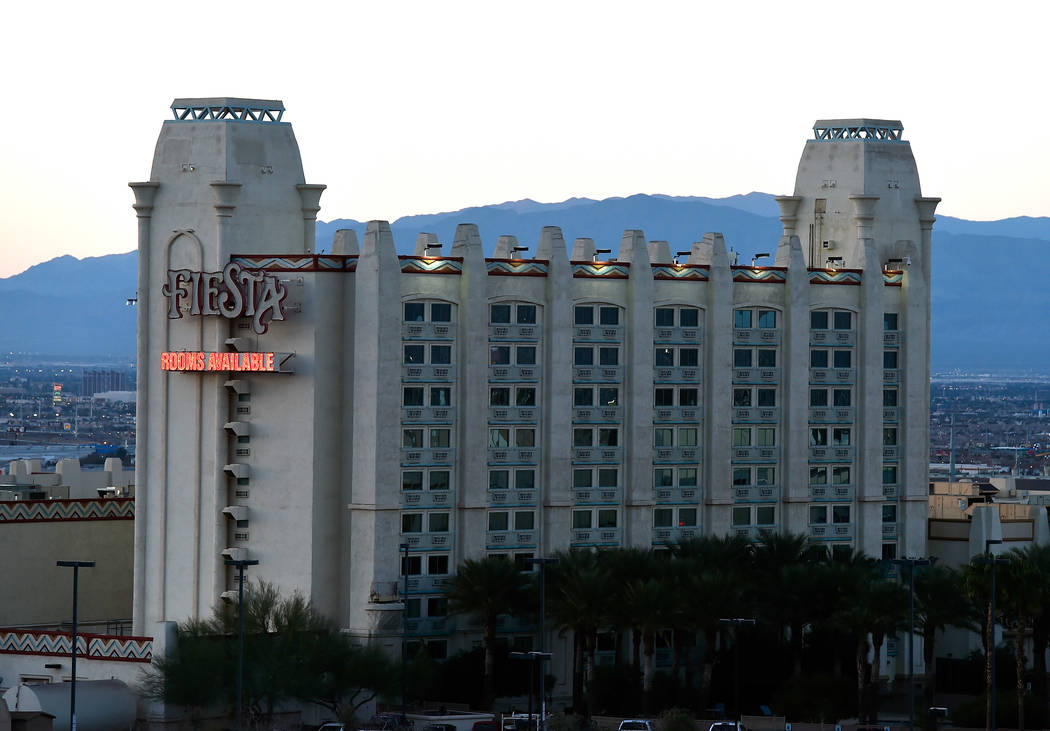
(240, 564)
(543, 563)
(404, 625)
(911, 563)
(990, 560)
(737, 622)
(533, 657)
(76, 566)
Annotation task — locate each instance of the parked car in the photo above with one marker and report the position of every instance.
(636, 724)
(728, 726)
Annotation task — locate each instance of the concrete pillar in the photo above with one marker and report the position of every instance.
(789, 214)
(794, 399)
(345, 242)
(583, 249)
(869, 421)
(718, 381)
(310, 195)
(557, 381)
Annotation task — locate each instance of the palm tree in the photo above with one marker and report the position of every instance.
(578, 601)
(486, 588)
(785, 584)
(1024, 592)
(940, 602)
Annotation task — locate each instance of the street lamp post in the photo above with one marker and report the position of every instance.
(543, 563)
(240, 565)
(404, 625)
(990, 560)
(76, 566)
(911, 563)
(533, 657)
(737, 622)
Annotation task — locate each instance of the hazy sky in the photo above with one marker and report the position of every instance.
(404, 107)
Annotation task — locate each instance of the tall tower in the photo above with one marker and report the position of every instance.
(227, 180)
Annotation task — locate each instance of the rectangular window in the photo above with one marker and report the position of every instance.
(741, 437)
(741, 476)
(686, 517)
(664, 317)
(818, 320)
(499, 314)
(818, 436)
(664, 397)
(608, 437)
(765, 476)
(818, 514)
(440, 438)
(767, 397)
(441, 354)
(889, 359)
(526, 354)
(767, 319)
(741, 517)
(499, 396)
(765, 515)
(583, 397)
(889, 474)
(688, 357)
(843, 320)
(581, 519)
(524, 520)
(843, 358)
(525, 479)
(840, 475)
(440, 312)
(818, 359)
(415, 312)
(767, 358)
(608, 396)
(889, 397)
(741, 397)
(609, 315)
(818, 475)
(889, 436)
(818, 397)
(663, 438)
(663, 517)
(583, 356)
(412, 605)
(499, 479)
(412, 523)
(525, 437)
(526, 314)
(688, 397)
(664, 357)
(440, 396)
(499, 438)
(437, 522)
(840, 514)
(437, 565)
(607, 519)
(687, 477)
(412, 439)
(889, 513)
(411, 565)
(414, 354)
(412, 480)
(583, 437)
(525, 396)
(499, 520)
(583, 315)
(889, 551)
(437, 606)
(889, 321)
(412, 396)
(499, 355)
(582, 478)
(439, 479)
(766, 436)
(687, 437)
(608, 356)
(841, 437)
(742, 358)
(663, 477)
(688, 317)
(742, 319)
(843, 397)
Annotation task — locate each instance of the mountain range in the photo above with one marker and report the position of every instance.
(990, 302)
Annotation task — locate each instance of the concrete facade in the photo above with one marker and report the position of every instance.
(521, 404)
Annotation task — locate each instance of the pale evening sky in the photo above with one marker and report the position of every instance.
(405, 108)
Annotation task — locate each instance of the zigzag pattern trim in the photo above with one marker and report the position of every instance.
(692, 272)
(27, 511)
(518, 268)
(89, 646)
(430, 265)
(769, 275)
(834, 276)
(291, 263)
(600, 270)
(892, 277)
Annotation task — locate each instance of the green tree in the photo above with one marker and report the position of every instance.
(486, 588)
(940, 602)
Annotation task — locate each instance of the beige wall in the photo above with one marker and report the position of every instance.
(39, 592)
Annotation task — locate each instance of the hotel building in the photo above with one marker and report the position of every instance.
(317, 412)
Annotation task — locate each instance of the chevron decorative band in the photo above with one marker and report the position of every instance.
(431, 265)
(516, 267)
(599, 269)
(91, 647)
(834, 276)
(26, 511)
(892, 277)
(691, 272)
(292, 263)
(772, 275)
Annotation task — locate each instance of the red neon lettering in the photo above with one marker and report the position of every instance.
(269, 362)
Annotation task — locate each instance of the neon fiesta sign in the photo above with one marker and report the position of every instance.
(233, 292)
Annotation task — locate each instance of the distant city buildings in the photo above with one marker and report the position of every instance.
(98, 381)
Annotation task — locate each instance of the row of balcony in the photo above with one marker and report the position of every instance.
(515, 332)
(675, 335)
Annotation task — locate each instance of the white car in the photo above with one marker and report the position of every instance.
(636, 724)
